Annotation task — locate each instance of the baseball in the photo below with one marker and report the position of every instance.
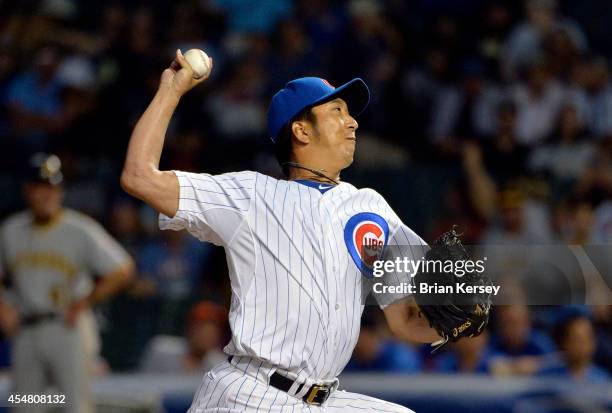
(199, 62)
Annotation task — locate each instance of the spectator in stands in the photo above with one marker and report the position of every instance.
(516, 347)
(481, 188)
(602, 321)
(595, 184)
(422, 85)
(112, 22)
(497, 20)
(246, 17)
(513, 227)
(325, 22)
(602, 227)
(199, 351)
(538, 101)
(237, 110)
(524, 44)
(189, 147)
(565, 158)
(514, 334)
(576, 339)
(493, 163)
(171, 269)
(466, 111)
(503, 154)
(134, 57)
(376, 352)
(125, 225)
(293, 55)
(579, 229)
(560, 54)
(77, 76)
(579, 225)
(7, 70)
(372, 41)
(173, 266)
(374, 45)
(520, 222)
(470, 355)
(591, 92)
(35, 103)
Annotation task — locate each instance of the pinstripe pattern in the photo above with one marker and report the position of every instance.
(242, 393)
(296, 292)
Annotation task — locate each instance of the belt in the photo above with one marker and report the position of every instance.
(316, 395)
(32, 320)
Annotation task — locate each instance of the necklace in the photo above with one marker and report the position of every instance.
(318, 173)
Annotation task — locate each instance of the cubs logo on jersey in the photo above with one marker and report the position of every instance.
(365, 236)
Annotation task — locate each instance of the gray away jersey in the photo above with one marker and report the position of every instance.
(293, 254)
(51, 266)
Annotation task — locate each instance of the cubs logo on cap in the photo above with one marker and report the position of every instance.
(327, 83)
(365, 236)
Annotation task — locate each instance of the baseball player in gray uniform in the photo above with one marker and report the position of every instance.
(50, 255)
(298, 249)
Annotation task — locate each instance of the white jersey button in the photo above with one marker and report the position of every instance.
(337, 306)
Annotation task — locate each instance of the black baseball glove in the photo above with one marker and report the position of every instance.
(454, 300)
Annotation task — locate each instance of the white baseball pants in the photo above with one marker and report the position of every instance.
(243, 387)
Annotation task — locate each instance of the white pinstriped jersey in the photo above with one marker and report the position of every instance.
(292, 252)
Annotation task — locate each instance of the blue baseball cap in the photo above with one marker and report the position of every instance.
(305, 92)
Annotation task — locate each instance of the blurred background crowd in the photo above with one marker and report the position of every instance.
(496, 115)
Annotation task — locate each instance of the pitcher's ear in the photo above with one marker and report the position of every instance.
(301, 131)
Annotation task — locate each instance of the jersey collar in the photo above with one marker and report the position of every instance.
(321, 187)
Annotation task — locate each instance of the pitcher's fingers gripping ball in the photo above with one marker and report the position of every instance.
(199, 62)
(184, 74)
